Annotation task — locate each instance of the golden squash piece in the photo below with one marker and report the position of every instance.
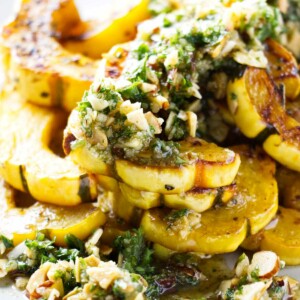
(283, 68)
(27, 163)
(209, 166)
(82, 155)
(257, 191)
(199, 199)
(118, 26)
(196, 198)
(281, 236)
(140, 199)
(252, 242)
(213, 232)
(256, 104)
(223, 229)
(23, 223)
(284, 238)
(155, 178)
(125, 210)
(88, 160)
(289, 187)
(215, 166)
(43, 71)
(107, 183)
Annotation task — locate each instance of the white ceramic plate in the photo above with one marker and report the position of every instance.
(89, 9)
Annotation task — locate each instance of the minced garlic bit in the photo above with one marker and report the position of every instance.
(163, 75)
(95, 277)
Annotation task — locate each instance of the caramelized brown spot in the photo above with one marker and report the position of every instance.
(67, 143)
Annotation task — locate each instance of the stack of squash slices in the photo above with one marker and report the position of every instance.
(234, 190)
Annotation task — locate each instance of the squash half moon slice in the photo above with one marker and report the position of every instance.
(256, 104)
(29, 165)
(210, 166)
(20, 224)
(223, 229)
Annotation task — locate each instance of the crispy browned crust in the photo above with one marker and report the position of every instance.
(282, 63)
(267, 100)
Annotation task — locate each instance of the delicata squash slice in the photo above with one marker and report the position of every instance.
(29, 165)
(282, 236)
(117, 26)
(222, 229)
(197, 199)
(256, 105)
(43, 70)
(283, 68)
(209, 166)
(19, 223)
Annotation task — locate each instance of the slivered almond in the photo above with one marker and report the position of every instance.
(266, 263)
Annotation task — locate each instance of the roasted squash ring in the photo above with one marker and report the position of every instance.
(196, 199)
(283, 68)
(20, 224)
(119, 26)
(223, 229)
(29, 165)
(45, 72)
(282, 236)
(256, 104)
(210, 167)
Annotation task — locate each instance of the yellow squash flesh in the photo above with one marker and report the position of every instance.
(20, 224)
(198, 199)
(43, 71)
(140, 199)
(29, 165)
(223, 229)
(210, 166)
(118, 26)
(164, 180)
(215, 166)
(283, 68)
(282, 236)
(256, 104)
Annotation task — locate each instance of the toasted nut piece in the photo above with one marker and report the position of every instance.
(252, 291)
(265, 263)
(242, 266)
(38, 277)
